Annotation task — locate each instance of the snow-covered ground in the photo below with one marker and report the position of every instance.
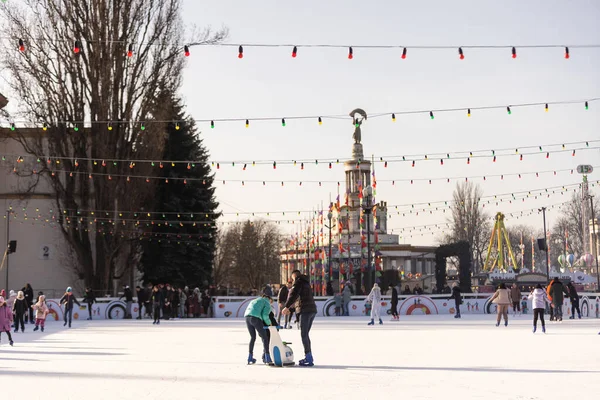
(420, 357)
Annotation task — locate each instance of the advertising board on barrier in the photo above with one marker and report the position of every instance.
(234, 307)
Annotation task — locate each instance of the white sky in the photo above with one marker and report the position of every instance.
(268, 82)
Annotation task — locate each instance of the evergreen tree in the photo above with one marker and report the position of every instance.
(181, 250)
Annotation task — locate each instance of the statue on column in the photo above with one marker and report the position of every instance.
(357, 121)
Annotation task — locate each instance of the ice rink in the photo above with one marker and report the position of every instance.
(420, 357)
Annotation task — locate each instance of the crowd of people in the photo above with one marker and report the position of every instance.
(169, 302)
(19, 308)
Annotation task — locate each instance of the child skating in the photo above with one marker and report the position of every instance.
(41, 311)
(375, 300)
(539, 298)
(6, 317)
(20, 309)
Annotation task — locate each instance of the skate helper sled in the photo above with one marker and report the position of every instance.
(281, 354)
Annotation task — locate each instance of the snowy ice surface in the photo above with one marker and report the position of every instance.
(420, 357)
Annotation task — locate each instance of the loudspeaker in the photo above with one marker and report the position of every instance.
(542, 245)
(12, 246)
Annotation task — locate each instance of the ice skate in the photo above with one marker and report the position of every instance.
(371, 323)
(36, 328)
(544, 329)
(266, 358)
(307, 361)
(505, 323)
(251, 360)
(17, 330)
(497, 324)
(380, 321)
(10, 342)
(42, 329)
(534, 329)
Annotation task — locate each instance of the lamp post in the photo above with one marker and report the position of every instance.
(367, 208)
(329, 217)
(543, 210)
(595, 238)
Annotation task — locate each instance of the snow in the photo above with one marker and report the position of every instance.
(420, 357)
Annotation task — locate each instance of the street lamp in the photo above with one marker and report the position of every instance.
(543, 210)
(595, 238)
(329, 217)
(368, 208)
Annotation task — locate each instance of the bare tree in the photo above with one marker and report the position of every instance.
(61, 86)
(469, 222)
(255, 248)
(224, 262)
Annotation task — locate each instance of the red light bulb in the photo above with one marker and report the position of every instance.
(567, 53)
(514, 52)
(294, 52)
(460, 53)
(240, 52)
(130, 51)
(21, 45)
(404, 53)
(186, 50)
(350, 53)
(77, 47)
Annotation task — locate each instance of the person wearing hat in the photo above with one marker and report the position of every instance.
(457, 298)
(68, 299)
(394, 303)
(6, 317)
(557, 292)
(20, 308)
(28, 292)
(257, 317)
(41, 311)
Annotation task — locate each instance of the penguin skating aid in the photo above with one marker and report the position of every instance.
(281, 354)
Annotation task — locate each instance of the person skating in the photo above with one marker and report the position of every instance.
(503, 299)
(539, 298)
(346, 299)
(128, 301)
(257, 317)
(515, 294)
(551, 306)
(456, 295)
(302, 292)
(28, 292)
(281, 299)
(374, 298)
(337, 299)
(574, 297)
(157, 300)
(394, 303)
(88, 298)
(6, 318)
(20, 309)
(182, 301)
(557, 292)
(68, 299)
(41, 311)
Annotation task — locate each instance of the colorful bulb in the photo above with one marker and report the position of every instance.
(460, 53)
(247, 123)
(586, 105)
(110, 128)
(76, 128)
(350, 53)
(240, 52)
(514, 52)
(77, 47)
(321, 120)
(283, 122)
(508, 110)
(294, 52)
(468, 112)
(567, 56)
(404, 53)
(21, 45)
(12, 126)
(212, 124)
(393, 117)
(176, 126)
(142, 127)
(45, 127)
(546, 107)
(186, 50)
(130, 51)
(431, 115)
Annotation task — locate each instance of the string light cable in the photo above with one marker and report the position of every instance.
(76, 125)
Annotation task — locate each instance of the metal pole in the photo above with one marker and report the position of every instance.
(329, 258)
(368, 212)
(546, 242)
(8, 212)
(595, 238)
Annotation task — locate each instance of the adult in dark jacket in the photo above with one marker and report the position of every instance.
(574, 297)
(557, 292)
(157, 299)
(19, 309)
(329, 289)
(68, 299)
(394, 302)
(89, 298)
(457, 298)
(127, 293)
(282, 297)
(28, 292)
(301, 292)
(174, 302)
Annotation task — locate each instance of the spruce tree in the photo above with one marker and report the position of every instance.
(181, 250)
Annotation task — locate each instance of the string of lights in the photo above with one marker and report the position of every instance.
(110, 125)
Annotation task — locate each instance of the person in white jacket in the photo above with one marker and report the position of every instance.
(375, 300)
(539, 298)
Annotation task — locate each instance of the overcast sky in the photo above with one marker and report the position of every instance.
(269, 82)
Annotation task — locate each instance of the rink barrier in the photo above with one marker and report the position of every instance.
(234, 307)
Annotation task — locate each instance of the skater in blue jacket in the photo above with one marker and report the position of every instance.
(257, 317)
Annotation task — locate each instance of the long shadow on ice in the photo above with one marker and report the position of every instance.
(456, 369)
